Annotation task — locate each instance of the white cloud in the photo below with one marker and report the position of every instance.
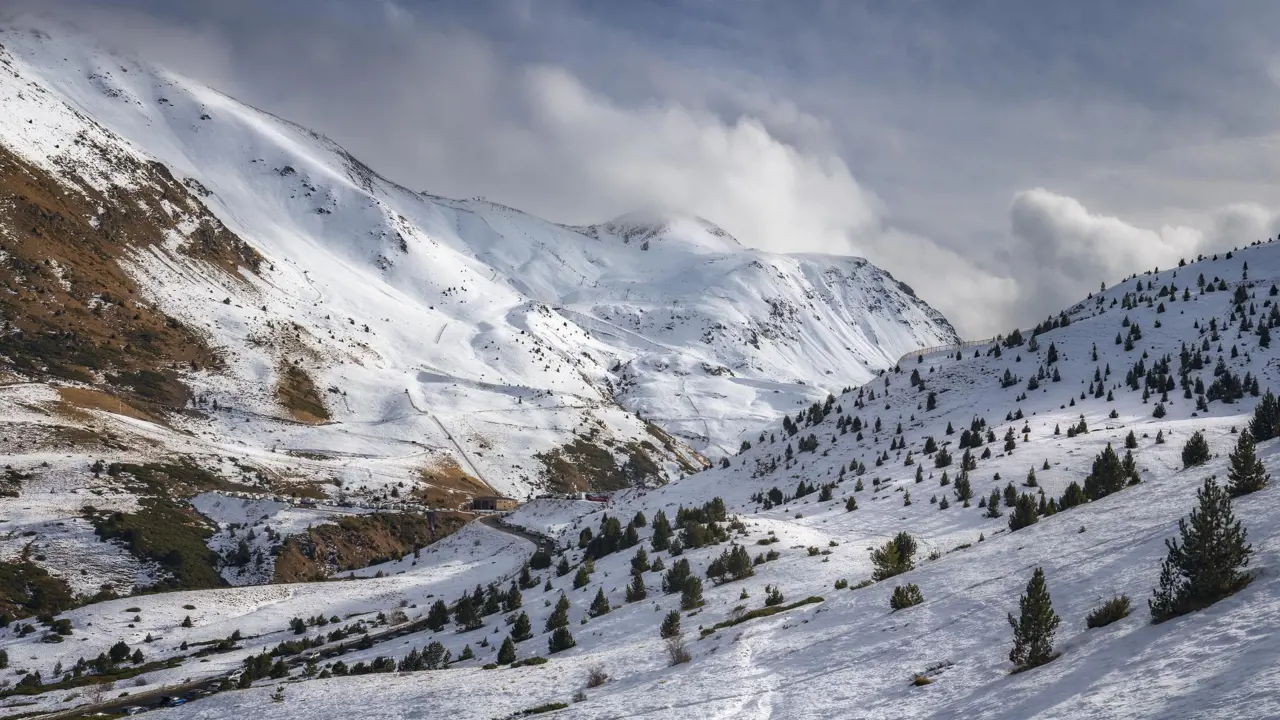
(1062, 250)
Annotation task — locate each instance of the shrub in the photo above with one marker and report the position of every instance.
(1109, 612)
(596, 676)
(904, 596)
(677, 651)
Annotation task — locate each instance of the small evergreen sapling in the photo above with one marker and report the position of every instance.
(1246, 473)
(1196, 451)
(670, 625)
(1208, 564)
(1036, 626)
(904, 596)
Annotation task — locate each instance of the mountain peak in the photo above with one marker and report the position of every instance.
(645, 227)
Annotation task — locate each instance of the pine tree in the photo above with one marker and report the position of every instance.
(1072, 497)
(1108, 475)
(1034, 630)
(670, 625)
(1196, 451)
(581, 578)
(438, 616)
(1010, 495)
(894, 557)
(560, 616)
(993, 504)
(563, 568)
(963, 491)
(1024, 513)
(691, 594)
(1131, 440)
(507, 653)
(465, 613)
(640, 563)
(1208, 565)
(661, 532)
(560, 640)
(522, 629)
(904, 596)
(512, 600)
(1266, 418)
(636, 591)
(600, 605)
(1246, 473)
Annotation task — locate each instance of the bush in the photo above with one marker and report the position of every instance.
(904, 596)
(1109, 612)
(596, 676)
(677, 651)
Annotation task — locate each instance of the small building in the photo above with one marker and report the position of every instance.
(493, 502)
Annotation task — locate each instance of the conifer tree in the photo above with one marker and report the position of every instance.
(904, 596)
(522, 629)
(465, 613)
(438, 616)
(640, 563)
(1131, 441)
(636, 591)
(1266, 418)
(670, 625)
(1035, 628)
(1010, 495)
(691, 594)
(963, 490)
(581, 578)
(1072, 497)
(563, 568)
(1107, 476)
(507, 653)
(600, 605)
(673, 580)
(513, 599)
(1246, 473)
(993, 504)
(1196, 451)
(560, 616)
(661, 532)
(1208, 564)
(560, 640)
(894, 557)
(1024, 513)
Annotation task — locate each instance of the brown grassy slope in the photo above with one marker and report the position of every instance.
(359, 541)
(68, 309)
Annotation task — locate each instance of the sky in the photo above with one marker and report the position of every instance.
(1002, 157)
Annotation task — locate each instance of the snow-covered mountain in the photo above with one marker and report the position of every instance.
(252, 255)
(394, 323)
(836, 647)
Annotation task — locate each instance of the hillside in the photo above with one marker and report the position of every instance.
(200, 297)
(846, 653)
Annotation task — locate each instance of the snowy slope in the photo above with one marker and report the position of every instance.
(462, 326)
(850, 655)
